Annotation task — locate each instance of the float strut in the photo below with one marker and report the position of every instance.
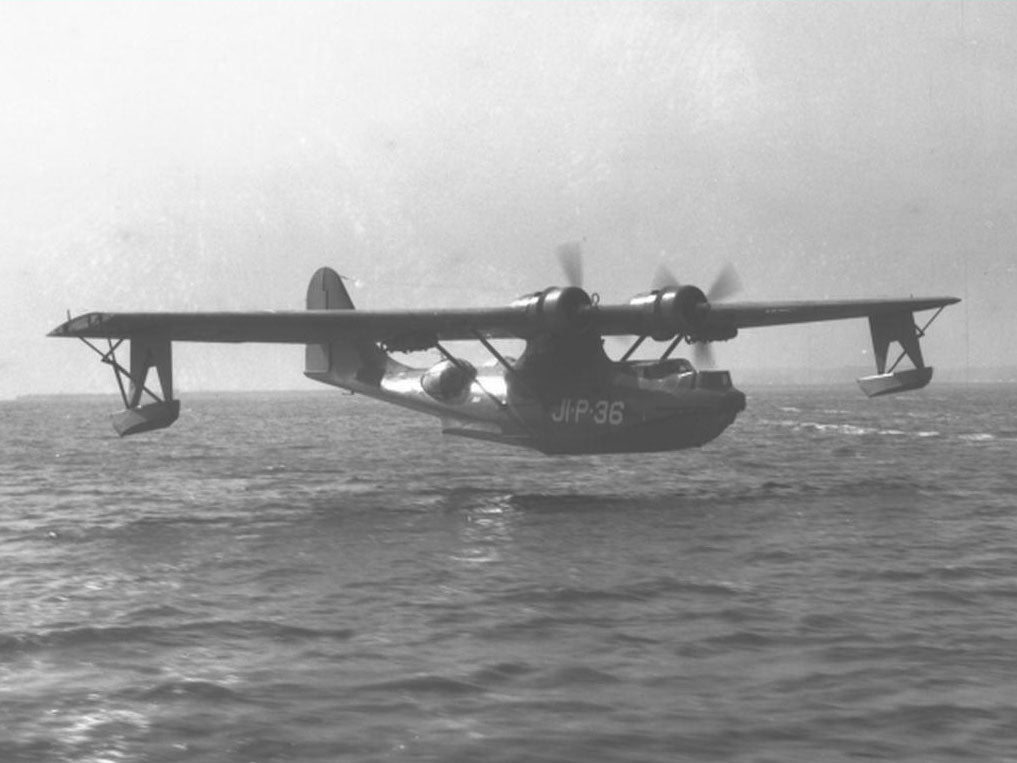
(671, 347)
(633, 348)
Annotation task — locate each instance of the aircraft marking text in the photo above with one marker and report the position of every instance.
(583, 410)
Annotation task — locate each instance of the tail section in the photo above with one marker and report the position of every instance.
(345, 358)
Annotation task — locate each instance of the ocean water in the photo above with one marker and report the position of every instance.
(319, 577)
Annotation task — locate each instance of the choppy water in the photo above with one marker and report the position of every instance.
(315, 577)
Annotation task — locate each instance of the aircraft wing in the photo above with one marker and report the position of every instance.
(413, 328)
(343, 343)
(722, 320)
(754, 314)
(299, 326)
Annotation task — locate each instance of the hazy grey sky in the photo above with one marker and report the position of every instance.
(211, 156)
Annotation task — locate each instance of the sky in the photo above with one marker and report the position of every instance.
(211, 156)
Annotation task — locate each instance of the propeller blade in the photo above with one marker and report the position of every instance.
(570, 257)
(663, 278)
(725, 285)
(703, 355)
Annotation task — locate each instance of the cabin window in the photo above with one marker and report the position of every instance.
(665, 368)
(714, 380)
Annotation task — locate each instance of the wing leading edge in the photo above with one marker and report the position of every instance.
(296, 326)
(758, 314)
(421, 327)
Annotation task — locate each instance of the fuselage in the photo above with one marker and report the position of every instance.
(631, 406)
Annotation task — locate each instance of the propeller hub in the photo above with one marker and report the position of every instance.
(560, 311)
(675, 310)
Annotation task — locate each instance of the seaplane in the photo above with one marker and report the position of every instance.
(561, 395)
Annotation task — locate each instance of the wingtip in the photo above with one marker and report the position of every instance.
(63, 329)
(78, 325)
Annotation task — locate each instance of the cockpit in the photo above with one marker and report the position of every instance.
(675, 373)
(659, 369)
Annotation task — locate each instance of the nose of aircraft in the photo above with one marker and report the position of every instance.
(735, 400)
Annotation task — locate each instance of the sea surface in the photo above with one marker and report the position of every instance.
(320, 577)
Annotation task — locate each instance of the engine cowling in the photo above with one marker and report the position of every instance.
(676, 310)
(448, 381)
(560, 311)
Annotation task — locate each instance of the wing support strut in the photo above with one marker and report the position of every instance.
(510, 372)
(897, 327)
(671, 347)
(635, 346)
(642, 338)
(502, 404)
(146, 352)
(914, 351)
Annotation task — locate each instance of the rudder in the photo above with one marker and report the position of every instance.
(346, 357)
(327, 291)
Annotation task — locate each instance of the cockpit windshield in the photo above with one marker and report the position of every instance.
(661, 374)
(660, 369)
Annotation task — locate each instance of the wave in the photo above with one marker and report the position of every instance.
(190, 689)
(712, 493)
(634, 591)
(424, 684)
(182, 634)
(848, 429)
(858, 430)
(574, 676)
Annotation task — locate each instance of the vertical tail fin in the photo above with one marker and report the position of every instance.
(344, 358)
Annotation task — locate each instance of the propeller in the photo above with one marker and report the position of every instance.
(663, 278)
(570, 257)
(724, 286)
(702, 353)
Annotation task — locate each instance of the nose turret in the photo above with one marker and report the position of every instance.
(736, 400)
(720, 381)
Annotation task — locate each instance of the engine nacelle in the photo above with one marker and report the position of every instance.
(557, 311)
(448, 381)
(673, 311)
